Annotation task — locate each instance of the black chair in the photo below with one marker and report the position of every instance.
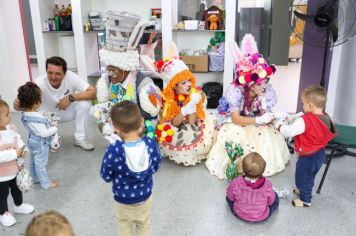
(340, 146)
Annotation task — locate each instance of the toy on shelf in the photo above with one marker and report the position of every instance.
(214, 18)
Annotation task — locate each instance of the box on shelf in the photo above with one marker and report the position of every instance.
(196, 63)
(191, 24)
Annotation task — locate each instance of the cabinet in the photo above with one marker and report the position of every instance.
(197, 39)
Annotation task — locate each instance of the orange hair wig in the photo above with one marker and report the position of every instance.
(171, 108)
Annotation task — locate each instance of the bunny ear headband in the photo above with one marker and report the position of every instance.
(250, 67)
(169, 67)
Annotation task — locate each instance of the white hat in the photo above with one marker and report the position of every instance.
(123, 33)
(169, 66)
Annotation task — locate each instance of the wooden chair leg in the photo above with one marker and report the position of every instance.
(326, 169)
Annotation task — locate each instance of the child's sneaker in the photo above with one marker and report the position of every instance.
(299, 203)
(7, 219)
(24, 208)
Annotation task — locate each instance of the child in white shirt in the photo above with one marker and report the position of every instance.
(40, 133)
(11, 147)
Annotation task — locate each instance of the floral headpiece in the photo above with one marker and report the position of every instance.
(250, 66)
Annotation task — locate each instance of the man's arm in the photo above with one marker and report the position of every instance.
(88, 94)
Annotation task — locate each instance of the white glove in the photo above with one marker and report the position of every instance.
(188, 109)
(191, 106)
(195, 98)
(264, 119)
(281, 115)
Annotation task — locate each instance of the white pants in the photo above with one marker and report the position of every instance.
(80, 112)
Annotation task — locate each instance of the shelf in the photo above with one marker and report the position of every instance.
(97, 74)
(103, 31)
(199, 31)
(58, 32)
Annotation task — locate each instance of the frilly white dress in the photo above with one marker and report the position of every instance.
(263, 139)
(190, 143)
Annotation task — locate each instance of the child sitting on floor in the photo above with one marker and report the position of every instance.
(129, 164)
(251, 197)
(312, 132)
(40, 133)
(11, 147)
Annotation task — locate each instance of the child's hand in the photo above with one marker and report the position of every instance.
(19, 152)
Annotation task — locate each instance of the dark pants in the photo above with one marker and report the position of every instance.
(272, 207)
(4, 193)
(305, 172)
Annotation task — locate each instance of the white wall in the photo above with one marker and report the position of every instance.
(14, 68)
(342, 85)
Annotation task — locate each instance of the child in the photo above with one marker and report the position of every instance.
(11, 147)
(129, 165)
(250, 196)
(49, 223)
(312, 131)
(40, 133)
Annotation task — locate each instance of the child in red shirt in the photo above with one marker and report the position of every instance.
(312, 132)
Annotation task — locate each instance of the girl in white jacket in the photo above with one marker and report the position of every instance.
(11, 147)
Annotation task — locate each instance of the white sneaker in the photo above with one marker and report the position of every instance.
(24, 208)
(7, 219)
(84, 145)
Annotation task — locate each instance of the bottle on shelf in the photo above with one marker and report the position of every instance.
(63, 11)
(56, 10)
(69, 9)
(45, 26)
(50, 24)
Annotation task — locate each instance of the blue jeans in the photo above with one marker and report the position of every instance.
(305, 172)
(37, 164)
(272, 207)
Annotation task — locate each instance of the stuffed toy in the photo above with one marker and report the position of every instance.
(213, 19)
(53, 119)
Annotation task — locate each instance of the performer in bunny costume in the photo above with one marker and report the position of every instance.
(185, 132)
(247, 114)
(124, 81)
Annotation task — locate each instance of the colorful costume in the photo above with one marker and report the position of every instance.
(123, 32)
(251, 68)
(187, 144)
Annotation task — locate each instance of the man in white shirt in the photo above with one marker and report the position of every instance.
(68, 95)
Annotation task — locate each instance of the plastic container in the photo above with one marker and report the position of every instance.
(191, 24)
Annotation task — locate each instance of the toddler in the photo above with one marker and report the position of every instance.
(251, 196)
(312, 132)
(40, 133)
(129, 164)
(11, 147)
(50, 223)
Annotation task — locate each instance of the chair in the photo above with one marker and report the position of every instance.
(346, 139)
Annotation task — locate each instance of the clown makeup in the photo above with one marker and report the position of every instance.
(258, 89)
(183, 87)
(116, 75)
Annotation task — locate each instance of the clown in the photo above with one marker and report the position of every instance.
(123, 80)
(246, 109)
(185, 132)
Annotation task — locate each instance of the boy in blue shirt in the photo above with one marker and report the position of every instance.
(129, 164)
